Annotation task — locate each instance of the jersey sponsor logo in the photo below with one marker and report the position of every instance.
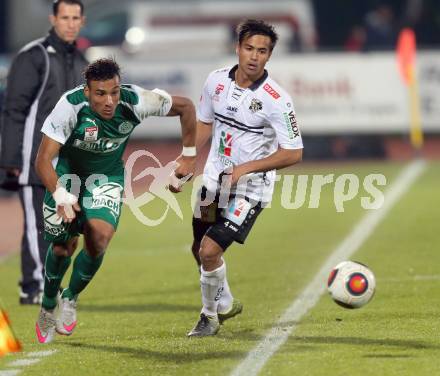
(273, 93)
(231, 109)
(222, 70)
(237, 210)
(103, 145)
(256, 105)
(230, 226)
(91, 133)
(225, 147)
(292, 127)
(219, 89)
(91, 121)
(125, 127)
(53, 223)
(219, 294)
(107, 196)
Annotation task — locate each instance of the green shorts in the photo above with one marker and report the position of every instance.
(99, 200)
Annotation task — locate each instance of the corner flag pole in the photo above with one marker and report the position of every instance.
(8, 341)
(406, 56)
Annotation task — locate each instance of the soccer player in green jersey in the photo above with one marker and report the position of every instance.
(88, 131)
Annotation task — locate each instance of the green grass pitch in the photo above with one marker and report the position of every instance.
(134, 316)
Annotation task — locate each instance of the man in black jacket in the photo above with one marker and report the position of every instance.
(41, 72)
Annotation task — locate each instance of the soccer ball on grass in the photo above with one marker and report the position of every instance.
(351, 284)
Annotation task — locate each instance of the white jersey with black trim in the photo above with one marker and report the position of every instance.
(248, 124)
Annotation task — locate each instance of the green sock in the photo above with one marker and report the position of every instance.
(55, 268)
(84, 268)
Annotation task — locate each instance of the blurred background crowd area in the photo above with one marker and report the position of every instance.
(305, 25)
(336, 59)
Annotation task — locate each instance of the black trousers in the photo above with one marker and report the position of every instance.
(33, 245)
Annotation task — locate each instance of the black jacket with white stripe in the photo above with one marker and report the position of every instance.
(41, 72)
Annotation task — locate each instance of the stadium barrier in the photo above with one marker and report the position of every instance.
(333, 93)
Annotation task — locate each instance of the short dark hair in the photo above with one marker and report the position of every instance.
(102, 70)
(249, 28)
(56, 5)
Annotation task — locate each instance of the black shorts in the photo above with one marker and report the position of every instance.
(227, 224)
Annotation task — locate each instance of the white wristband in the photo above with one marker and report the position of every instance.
(189, 151)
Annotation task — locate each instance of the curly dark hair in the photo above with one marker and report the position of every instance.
(249, 28)
(102, 70)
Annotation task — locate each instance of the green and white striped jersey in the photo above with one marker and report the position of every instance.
(91, 144)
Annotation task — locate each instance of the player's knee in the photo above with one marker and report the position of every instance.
(71, 246)
(98, 243)
(97, 239)
(210, 252)
(61, 250)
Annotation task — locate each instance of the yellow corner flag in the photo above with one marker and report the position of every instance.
(8, 342)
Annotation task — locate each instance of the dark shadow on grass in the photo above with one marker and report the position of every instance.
(388, 356)
(167, 356)
(407, 344)
(150, 291)
(158, 307)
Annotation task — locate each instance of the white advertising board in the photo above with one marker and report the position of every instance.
(333, 93)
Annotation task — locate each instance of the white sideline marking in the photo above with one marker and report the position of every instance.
(24, 362)
(433, 277)
(29, 359)
(285, 326)
(10, 372)
(36, 354)
(416, 278)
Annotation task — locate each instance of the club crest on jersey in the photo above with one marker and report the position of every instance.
(225, 147)
(125, 127)
(256, 105)
(91, 133)
(273, 93)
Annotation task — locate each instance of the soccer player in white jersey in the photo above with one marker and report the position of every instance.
(252, 123)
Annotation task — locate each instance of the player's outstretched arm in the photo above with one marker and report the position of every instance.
(204, 132)
(184, 108)
(280, 159)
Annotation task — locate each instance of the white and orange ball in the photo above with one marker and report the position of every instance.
(351, 284)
